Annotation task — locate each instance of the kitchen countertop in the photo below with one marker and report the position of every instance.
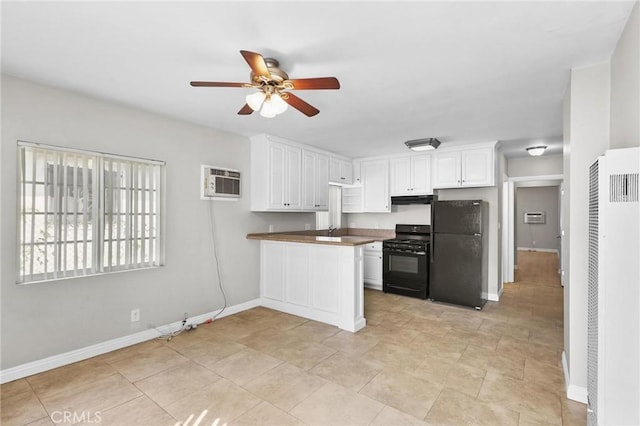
(340, 237)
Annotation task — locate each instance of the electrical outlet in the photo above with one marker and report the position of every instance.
(307, 226)
(135, 315)
(271, 227)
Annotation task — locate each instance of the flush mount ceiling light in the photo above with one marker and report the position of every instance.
(423, 144)
(536, 150)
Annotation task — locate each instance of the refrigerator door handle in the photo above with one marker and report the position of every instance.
(431, 254)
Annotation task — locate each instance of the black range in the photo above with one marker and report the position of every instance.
(406, 261)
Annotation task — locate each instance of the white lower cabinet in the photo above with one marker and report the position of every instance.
(373, 265)
(316, 281)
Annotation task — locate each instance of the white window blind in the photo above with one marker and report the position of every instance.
(83, 213)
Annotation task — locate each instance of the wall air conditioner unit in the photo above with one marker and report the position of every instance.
(613, 348)
(535, 218)
(217, 183)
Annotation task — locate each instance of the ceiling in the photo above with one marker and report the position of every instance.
(458, 71)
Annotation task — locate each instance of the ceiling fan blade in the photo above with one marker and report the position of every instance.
(305, 108)
(257, 63)
(245, 110)
(216, 84)
(315, 83)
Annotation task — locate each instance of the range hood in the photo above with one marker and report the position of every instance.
(413, 199)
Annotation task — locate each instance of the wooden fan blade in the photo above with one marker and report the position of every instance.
(315, 83)
(257, 64)
(216, 84)
(245, 110)
(305, 108)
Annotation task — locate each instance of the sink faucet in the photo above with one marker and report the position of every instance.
(331, 229)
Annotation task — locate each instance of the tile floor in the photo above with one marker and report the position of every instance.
(415, 363)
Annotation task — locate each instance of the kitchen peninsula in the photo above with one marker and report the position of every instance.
(318, 277)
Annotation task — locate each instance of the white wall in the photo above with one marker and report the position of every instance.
(414, 214)
(588, 137)
(41, 320)
(625, 85)
(537, 199)
(601, 111)
(535, 166)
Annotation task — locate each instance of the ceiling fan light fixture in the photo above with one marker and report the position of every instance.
(278, 104)
(255, 100)
(426, 144)
(536, 150)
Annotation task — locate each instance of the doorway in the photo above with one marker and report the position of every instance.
(530, 232)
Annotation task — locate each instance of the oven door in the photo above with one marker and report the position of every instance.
(405, 273)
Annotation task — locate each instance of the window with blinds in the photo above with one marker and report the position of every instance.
(83, 213)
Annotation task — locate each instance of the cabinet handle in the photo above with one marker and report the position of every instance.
(343, 178)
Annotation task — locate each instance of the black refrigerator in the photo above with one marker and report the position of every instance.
(459, 261)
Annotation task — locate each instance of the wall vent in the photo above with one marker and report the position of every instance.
(623, 188)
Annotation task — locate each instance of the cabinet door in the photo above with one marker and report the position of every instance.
(375, 180)
(346, 172)
(293, 178)
(277, 176)
(400, 176)
(322, 182)
(421, 175)
(372, 267)
(334, 170)
(477, 167)
(446, 170)
(309, 174)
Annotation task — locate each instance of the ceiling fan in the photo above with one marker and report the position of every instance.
(273, 84)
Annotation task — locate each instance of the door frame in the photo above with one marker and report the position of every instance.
(508, 217)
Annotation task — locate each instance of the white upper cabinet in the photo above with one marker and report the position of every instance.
(446, 170)
(375, 182)
(477, 167)
(287, 176)
(285, 164)
(341, 171)
(411, 175)
(469, 166)
(315, 181)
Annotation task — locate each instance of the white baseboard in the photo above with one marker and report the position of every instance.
(538, 249)
(494, 297)
(373, 286)
(55, 361)
(575, 393)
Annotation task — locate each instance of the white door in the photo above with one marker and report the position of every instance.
(375, 179)
(446, 170)
(421, 175)
(309, 174)
(477, 167)
(400, 176)
(293, 178)
(322, 182)
(346, 172)
(277, 176)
